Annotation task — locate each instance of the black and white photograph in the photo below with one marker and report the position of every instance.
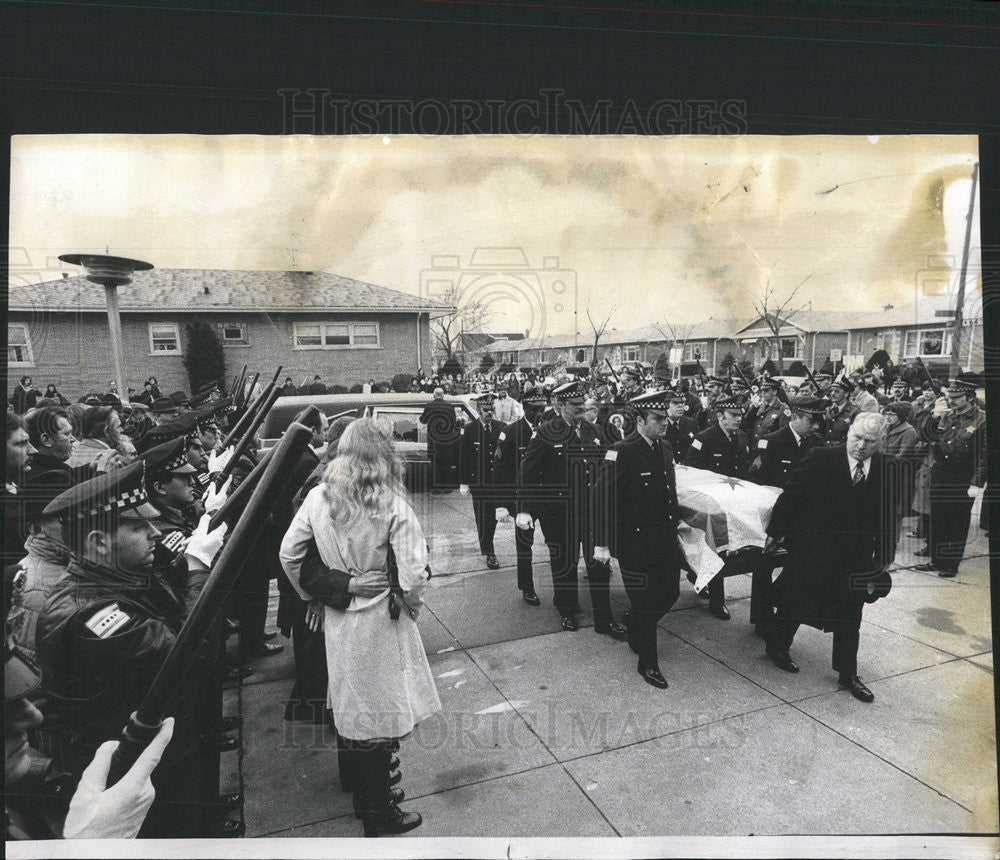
(550, 488)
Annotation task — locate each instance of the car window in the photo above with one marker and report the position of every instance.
(403, 422)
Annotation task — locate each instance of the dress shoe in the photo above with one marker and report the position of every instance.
(926, 567)
(947, 574)
(612, 629)
(858, 690)
(915, 535)
(228, 828)
(394, 746)
(228, 744)
(228, 724)
(234, 799)
(234, 673)
(392, 820)
(230, 627)
(653, 677)
(922, 552)
(491, 561)
(394, 778)
(783, 660)
(396, 796)
(271, 634)
(267, 649)
(720, 611)
(569, 623)
(530, 598)
(394, 763)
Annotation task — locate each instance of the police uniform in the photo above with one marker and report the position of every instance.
(638, 498)
(707, 417)
(511, 445)
(103, 637)
(839, 419)
(776, 454)
(557, 477)
(765, 418)
(680, 432)
(713, 450)
(958, 460)
(476, 448)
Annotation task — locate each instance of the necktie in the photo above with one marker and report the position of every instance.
(859, 474)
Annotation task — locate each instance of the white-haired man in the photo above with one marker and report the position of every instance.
(836, 519)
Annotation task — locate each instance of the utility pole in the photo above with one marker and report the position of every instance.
(956, 332)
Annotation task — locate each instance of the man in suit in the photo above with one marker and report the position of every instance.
(476, 448)
(679, 430)
(841, 413)
(724, 449)
(777, 455)
(442, 441)
(840, 536)
(638, 496)
(512, 443)
(557, 478)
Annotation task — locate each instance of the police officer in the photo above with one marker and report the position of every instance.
(716, 389)
(557, 477)
(476, 449)
(512, 443)
(107, 629)
(725, 450)
(841, 412)
(958, 462)
(679, 430)
(638, 525)
(767, 416)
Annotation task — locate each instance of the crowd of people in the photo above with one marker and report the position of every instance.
(112, 531)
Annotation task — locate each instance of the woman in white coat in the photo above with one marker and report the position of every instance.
(380, 684)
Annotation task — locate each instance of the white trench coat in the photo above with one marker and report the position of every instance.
(380, 681)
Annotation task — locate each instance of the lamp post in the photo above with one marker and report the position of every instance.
(111, 273)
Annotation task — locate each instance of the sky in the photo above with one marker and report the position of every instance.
(538, 229)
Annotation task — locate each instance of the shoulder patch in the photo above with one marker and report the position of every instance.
(106, 621)
(696, 444)
(762, 443)
(172, 541)
(612, 455)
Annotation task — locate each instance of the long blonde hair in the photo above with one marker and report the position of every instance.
(367, 473)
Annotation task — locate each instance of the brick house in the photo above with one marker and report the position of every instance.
(346, 331)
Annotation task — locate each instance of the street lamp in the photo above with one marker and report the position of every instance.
(111, 273)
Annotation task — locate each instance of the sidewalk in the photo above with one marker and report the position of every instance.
(549, 733)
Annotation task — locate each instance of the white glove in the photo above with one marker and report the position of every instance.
(975, 492)
(940, 407)
(463, 489)
(213, 498)
(97, 812)
(218, 462)
(204, 545)
(602, 554)
(503, 515)
(523, 521)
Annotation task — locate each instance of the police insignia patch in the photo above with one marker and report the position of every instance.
(172, 541)
(762, 443)
(696, 444)
(502, 436)
(611, 455)
(106, 621)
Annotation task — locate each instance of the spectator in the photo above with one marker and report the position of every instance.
(154, 387)
(146, 395)
(288, 389)
(101, 443)
(25, 396)
(51, 434)
(19, 449)
(317, 386)
(368, 387)
(52, 393)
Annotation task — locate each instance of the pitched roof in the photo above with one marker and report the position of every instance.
(183, 290)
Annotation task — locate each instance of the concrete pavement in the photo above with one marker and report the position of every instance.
(549, 733)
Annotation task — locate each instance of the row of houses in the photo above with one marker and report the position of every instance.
(921, 329)
(344, 330)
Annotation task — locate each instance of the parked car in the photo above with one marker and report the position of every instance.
(399, 412)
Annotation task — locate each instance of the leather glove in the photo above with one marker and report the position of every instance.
(523, 521)
(503, 515)
(602, 554)
(213, 499)
(204, 545)
(98, 812)
(463, 489)
(218, 461)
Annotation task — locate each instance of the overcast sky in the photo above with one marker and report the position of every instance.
(661, 229)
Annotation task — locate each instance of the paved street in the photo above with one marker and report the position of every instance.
(549, 733)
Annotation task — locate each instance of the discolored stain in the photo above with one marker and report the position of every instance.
(939, 619)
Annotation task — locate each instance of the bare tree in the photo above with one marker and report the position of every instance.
(775, 314)
(676, 335)
(447, 330)
(598, 328)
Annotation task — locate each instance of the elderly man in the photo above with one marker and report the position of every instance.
(442, 441)
(51, 435)
(841, 539)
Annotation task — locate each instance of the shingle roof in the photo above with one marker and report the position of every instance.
(183, 290)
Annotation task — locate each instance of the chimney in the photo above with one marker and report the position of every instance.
(65, 275)
(887, 308)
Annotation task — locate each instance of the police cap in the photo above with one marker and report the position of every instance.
(844, 384)
(569, 391)
(122, 492)
(733, 401)
(809, 405)
(169, 458)
(658, 400)
(164, 404)
(965, 383)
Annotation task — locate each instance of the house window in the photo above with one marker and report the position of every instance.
(164, 337)
(791, 347)
(631, 353)
(234, 334)
(19, 352)
(695, 351)
(541, 356)
(927, 342)
(339, 335)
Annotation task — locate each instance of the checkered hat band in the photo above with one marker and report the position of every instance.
(128, 499)
(176, 463)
